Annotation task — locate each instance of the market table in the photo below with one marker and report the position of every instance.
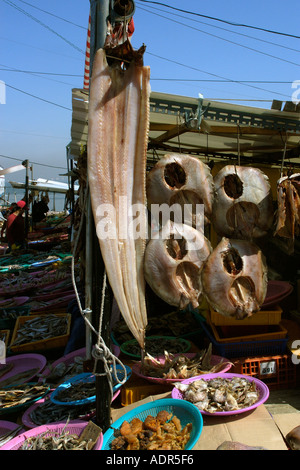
(255, 428)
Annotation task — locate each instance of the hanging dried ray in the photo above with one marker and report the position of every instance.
(288, 210)
(243, 205)
(184, 180)
(234, 278)
(174, 259)
(117, 146)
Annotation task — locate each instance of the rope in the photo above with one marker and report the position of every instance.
(283, 158)
(100, 351)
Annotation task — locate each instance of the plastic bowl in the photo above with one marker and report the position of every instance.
(76, 427)
(261, 387)
(85, 377)
(136, 368)
(185, 411)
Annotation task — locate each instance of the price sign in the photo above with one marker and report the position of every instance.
(267, 368)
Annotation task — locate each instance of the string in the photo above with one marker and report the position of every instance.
(238, 144)
(283, 157)
(101, 351)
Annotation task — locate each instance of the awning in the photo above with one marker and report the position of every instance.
(208, 129)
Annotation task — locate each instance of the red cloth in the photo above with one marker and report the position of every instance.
(15, 228)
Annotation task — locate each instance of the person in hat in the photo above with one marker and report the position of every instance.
(15, 227)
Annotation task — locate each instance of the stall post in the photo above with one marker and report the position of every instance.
(94, 261)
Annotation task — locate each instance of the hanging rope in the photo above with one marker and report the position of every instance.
(238, 144)
(101, 351)
(283, 157)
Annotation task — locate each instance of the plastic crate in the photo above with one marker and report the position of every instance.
(8, 316)
(278, 372)
(263, 317)
(237, 333)
(136, 389)
(246, 348)
(41, 345)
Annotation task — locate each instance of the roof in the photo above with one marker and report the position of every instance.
(208, 129)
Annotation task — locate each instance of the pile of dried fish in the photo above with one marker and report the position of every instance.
(20, 395)
(160, 432)
(7, 436)
(48, 412)
(157, 345)
(21, 281)
(65, 371)
(220, 394)
(40, 328)
(175, 323)
(77, 391)
(20, 377)
(180, 366)
(56, 441)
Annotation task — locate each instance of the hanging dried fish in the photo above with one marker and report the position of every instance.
(234, 278)
(243, 205)
(288, 211)
(184, 180)
(174, 259)
(117, 145)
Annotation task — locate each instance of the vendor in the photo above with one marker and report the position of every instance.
(40, 209)
(15, 227)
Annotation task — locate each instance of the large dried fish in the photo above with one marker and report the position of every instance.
(185, 180)
(234, 278)
(174, 259)
(243, 205)
(117, 145)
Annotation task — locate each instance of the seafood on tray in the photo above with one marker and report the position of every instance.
(48, 412)
(234, 278)
(184, 180)
(173, 262)
(243, 205)
(220, 394)
(63, 371)
(77, 391)
(117, 146)
(20, 394)
(50, 440)
(41, 328)
(160, 432)
(180, 366)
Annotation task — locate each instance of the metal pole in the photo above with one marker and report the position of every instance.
(26, 164)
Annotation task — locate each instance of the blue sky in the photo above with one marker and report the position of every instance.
(188, 54)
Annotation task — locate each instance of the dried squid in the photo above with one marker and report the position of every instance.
(243, 205)
(234, 278)
(117, 145)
